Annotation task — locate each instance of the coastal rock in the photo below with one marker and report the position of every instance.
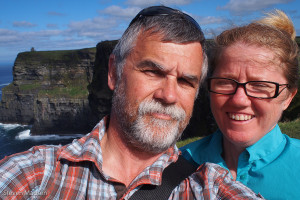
(16, 107)
(49, 91)
(61, 116)
(99, 93)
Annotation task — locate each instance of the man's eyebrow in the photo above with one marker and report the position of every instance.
(191, 78)
(151, 64)
(148, 63)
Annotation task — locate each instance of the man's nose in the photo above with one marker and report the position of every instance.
(167, 92)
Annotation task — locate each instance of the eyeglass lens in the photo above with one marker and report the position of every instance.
(259, 89)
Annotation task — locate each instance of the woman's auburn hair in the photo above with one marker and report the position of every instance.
(275, 32)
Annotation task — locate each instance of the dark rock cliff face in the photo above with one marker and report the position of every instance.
(49, 91)
(62, 116)
(99, 93)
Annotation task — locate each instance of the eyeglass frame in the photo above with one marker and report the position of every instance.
(163, 11)
(277, 93)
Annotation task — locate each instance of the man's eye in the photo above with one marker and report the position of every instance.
(185, 82)
(151, 72)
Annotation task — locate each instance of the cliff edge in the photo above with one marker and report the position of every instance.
(49, 91)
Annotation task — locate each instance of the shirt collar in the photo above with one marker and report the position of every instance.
(217, 150)
(86, 148)
(265, 149)
(267, 145)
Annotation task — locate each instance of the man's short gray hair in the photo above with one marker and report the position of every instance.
(175, 28)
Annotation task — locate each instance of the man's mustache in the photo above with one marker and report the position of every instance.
(152, 106)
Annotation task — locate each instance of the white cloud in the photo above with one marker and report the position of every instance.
(8, 36)
(23, 24)
(240, 7)
(96, 29)
(43, 33)
(209, 20)
(121, 12)
(93, 28)
(143, 3)
(95, 23)
(78, 34)
(16, 41)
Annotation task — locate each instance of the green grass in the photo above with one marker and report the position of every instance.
(30, 86)
(46, 57)
(298, 40)
(187, 141)
(291, 128)
(78, 91)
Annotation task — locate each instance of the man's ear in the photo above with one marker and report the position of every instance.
(112, 72)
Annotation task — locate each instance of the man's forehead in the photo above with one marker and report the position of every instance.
(160, 36)
(154, 41)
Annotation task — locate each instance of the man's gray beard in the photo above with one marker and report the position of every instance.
(154, 136)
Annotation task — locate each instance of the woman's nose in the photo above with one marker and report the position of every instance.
(240, 97)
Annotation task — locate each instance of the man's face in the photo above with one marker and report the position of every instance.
(153, 100)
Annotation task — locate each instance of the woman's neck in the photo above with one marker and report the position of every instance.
(231, 155)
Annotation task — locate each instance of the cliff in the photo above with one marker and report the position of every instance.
(49, 91)
(99, 93)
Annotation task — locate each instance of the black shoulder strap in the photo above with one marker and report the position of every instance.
(171, 177)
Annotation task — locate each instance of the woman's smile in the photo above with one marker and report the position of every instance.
(240, 116)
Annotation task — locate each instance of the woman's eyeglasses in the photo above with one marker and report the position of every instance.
(256, 89)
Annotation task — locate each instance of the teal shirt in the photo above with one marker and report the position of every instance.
(270, 167)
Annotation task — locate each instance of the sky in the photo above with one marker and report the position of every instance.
(74, 24)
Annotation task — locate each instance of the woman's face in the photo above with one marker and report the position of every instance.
(257, 117)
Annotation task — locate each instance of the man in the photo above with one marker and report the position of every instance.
(155, 72)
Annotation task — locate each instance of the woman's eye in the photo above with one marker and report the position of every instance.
(260, 85)
(223, 82)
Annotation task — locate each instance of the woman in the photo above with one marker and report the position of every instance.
(254, 75)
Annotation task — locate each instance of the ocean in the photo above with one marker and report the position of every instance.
(16, 138)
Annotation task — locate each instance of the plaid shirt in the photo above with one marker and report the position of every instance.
(75, 171)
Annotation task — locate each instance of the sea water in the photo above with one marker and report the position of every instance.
(16, 138)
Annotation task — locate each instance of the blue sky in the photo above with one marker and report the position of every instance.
(75, 24)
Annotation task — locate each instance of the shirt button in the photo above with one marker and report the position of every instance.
(242, 177)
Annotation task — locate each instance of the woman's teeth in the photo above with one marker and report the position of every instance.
(240, 117)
